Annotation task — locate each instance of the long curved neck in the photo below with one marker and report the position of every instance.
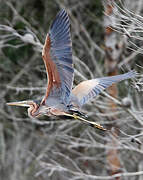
(33, 110)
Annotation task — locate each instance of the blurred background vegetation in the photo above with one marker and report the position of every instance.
(59, 149)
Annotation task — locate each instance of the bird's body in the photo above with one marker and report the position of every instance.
(60, 98)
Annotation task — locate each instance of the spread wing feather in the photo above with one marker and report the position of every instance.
(57, 55)
(89, 89)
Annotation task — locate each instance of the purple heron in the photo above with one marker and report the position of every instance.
(60, 98)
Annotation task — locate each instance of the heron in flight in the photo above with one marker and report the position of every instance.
(60, 99)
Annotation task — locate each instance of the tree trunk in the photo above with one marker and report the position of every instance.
(111, 59)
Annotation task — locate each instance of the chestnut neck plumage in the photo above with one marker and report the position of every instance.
(33, 110)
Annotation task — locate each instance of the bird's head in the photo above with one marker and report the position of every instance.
(33, 107)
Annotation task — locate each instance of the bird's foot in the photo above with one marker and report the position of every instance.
(92, 124)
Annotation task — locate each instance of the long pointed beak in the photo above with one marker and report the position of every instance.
(20, 103)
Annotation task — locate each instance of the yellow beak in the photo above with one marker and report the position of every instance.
(20, 103)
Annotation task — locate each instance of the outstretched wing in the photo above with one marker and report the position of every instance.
(57, 56)
(89, 89)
